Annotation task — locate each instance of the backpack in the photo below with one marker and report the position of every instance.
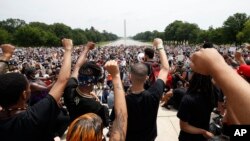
(154, 69)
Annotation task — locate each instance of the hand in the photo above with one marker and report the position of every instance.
(94, 95)
(167, 96)
(157, 42)
(248, 47)
(112, 67)
(207, 134)
(8, 50)
(205, 61)
(90, 45)
(67, 44)
(237, 55)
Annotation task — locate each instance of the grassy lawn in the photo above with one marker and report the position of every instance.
(102, 43)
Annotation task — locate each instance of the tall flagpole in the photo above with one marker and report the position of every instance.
(125, 36)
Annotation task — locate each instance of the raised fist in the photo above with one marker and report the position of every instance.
(90, 45)
(205, 61)
(8, 50)
(237, 55)
(112, 67)
(157, 42)
(67, 44)
(248, 47)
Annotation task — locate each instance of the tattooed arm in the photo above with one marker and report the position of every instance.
(119, 128)
(82, 58)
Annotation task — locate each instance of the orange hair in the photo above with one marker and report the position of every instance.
(87, 127)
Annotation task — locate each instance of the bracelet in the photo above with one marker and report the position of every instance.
(159, 48)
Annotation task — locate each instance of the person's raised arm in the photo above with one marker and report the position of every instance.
(163, 58)
(82, 58)
(234, 87)
(8, 51)
(64, 74)
(239, 58)
(119, 127)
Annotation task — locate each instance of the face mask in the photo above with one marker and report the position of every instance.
(87, 80)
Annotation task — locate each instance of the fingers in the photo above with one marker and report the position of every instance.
(91, 45)
(112, 67)
(110, 64)
(7, 48)
(192, 60)
(248, 47)
(157, 41)
(4, 45)
(195, 59)
(67, 44)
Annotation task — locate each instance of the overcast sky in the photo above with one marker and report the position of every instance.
(141, 15)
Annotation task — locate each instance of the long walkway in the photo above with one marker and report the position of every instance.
(167, 125)
(127, 42)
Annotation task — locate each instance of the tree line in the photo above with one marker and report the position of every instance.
(18, 32)
(235, 30)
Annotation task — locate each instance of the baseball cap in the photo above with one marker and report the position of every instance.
(244, 70)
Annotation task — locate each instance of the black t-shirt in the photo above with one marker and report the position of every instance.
(177, 97)
(37, 123)
(194, 109)
(78, 105)
(142, 113)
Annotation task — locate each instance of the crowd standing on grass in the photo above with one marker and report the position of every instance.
(45, 91)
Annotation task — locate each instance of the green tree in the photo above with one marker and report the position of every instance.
(61, 30)
(4, 36)
(79, 37)
(90, 34)
(51, 39)
(11, 25)
(233, 25)
(157, 34)
(42, 26)
(106, 36)
(30, 36)
(202, 36)
(171, 33)
(181, 32)
(246, 32)
(148, 36)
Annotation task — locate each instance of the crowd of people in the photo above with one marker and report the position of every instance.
(46, 91)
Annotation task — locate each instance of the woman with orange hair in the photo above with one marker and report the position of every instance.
(89, 127)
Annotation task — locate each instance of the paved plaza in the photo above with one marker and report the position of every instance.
(167, 125)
